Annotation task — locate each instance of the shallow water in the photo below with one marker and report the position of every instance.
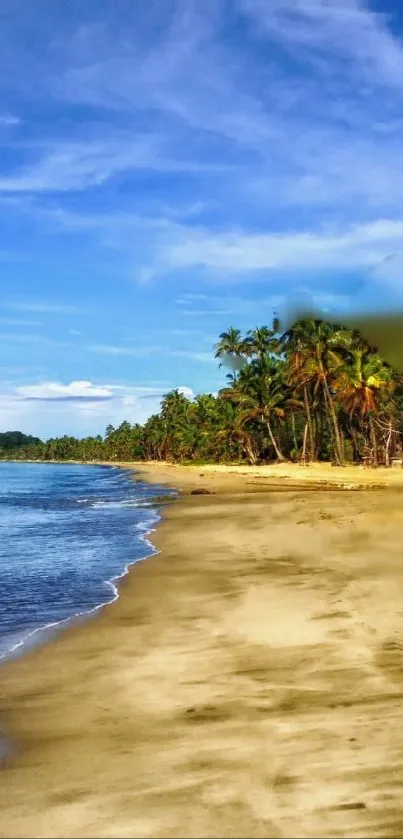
(67, 531)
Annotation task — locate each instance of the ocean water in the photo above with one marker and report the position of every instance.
(67, 533)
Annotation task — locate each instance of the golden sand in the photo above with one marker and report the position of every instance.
(248, 681)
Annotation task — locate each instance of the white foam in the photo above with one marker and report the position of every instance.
(53, 625)
(130, 502)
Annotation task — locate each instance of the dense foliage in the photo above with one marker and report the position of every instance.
(14, 440)
(316, 392)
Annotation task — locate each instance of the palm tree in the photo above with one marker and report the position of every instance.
(316, 357)
(232, 350)
(260, 342)
(260, 394)
(360, 381)
(315, 387)
(360, 384)
(154, 439)
(231, 437)
(178, 428)
(294, 343)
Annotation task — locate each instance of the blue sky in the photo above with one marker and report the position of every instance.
(174, 167)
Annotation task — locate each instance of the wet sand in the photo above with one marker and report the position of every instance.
(248, 682)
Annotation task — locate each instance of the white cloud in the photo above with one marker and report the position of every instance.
(337, 28)
(79, 165)
(181, 332)
(117, 349)
(204, 312)
(239, 255)
(324, 137)
(9, 120)
(243, 306)
(189, 296)
(147, 390)
(19, 322)
(203, 357)
(186, 391)
(53, 418)
(55, 390)
(360, 246)
(192, 76)
(81, 408)
(41, 306)
(301, 125)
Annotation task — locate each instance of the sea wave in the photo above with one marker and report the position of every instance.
(29, 639)
(57, 562)
(139, 501)
(130, 502)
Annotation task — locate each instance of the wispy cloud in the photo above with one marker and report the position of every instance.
(186, 391)
(359, 246)
(88, 391)
(238, 255)
(335, 30)
(118, 349)
(203, 357)
(18, 322)
(200, 106)
(41, 306)
(235, 150)
(202, 90)
(20, 337)
(77, 166)
(36, 408)
(238, 306)
(204, 312)
(74, 391)
(8, 120)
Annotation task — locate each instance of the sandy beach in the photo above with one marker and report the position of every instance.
(248, 681)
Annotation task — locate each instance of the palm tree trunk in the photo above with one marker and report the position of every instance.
(373, 441)
(393, 440)
(341, 443)
(294, 435)
(387, 444)
(250, 452)
(309, 421)
(275, 445)
(319, 433)
(336, 431)
(303, 457)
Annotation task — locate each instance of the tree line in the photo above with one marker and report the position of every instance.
(315, 392)
(12, 440)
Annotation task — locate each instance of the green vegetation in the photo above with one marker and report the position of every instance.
(316, 392)
(14, 441)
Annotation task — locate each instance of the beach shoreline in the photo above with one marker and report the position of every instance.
(21, 642)
(242, 684)
(187, 479)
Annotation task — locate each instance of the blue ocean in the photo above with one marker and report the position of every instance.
(67, 533)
